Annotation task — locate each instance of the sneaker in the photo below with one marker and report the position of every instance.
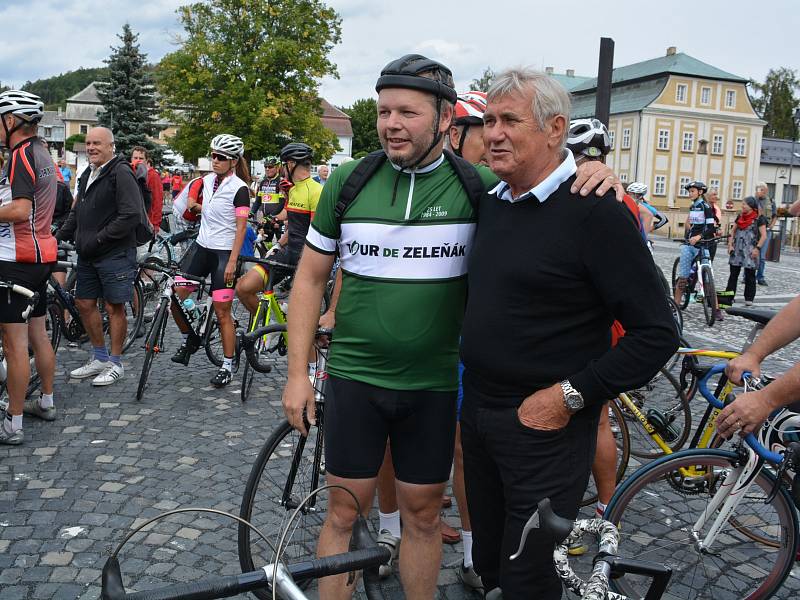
(90, 369)
(393, 543)
(12, 439)
(470, 578)
(222, 378)
(578, 547)
(748, 303)
(182, 355)
(111, 374)
(762, 282)
(33, 408)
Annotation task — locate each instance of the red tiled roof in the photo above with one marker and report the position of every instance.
(335, 120)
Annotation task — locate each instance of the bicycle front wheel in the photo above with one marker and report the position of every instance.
(657, 509)
(288, 467)
(54, 321)
(664, 404)
(151, 346)
(709, 297)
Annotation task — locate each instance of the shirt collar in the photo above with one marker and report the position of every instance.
(425, 169)
(544, 189)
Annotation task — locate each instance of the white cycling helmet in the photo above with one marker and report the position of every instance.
(28, 107)
(227, 144)
(637, 188)
(589, 137)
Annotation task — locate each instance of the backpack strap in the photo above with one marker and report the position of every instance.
(356, 181)
(469, 177)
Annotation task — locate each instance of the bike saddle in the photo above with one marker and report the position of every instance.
(752, 314)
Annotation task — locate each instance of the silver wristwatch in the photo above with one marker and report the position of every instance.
(573, 399)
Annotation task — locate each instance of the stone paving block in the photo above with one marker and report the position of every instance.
(57, 558)
(111, 487)
(53, 493)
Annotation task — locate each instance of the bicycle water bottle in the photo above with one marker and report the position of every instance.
(190, 306)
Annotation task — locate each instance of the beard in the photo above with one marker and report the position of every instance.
(419, 148)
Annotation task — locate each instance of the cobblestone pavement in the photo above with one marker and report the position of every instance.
(79, 484)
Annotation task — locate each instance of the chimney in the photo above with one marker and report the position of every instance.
(671, 51)
(570, 72)
(548, 70)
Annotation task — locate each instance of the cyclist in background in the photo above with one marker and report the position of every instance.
(225, 210)
(27, 251)
(700, 224)
(270, 199)
(465, 137)
(649, 215)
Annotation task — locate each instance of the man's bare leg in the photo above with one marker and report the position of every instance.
(91, 319)
(247, 289)
(18, 366)
(43, 355)
(421, 550)
(387, 495)
(604, 469)
(335, 535)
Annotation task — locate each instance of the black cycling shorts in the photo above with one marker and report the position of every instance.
(420, 427)
(202, 262)
(30, 275)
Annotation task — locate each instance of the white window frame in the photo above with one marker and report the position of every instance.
(681, 97)
(626, 138)
(688, 141)
(717, 143)
(741, 146)
(623, 177)
(705, 96)
(660, 185)
(713, 184)
(663, 139)
(730, 98)
(737, 187)
(83, 129)
(611, 136)
(682, 183)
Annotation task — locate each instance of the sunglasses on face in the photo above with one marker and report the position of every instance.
(219, 157)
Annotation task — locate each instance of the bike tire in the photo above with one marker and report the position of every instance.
(286, 467)
(620, 430)
(657, 508)
(247, 381)
(685, 296)
(662, 393)
(213, 337)
(162, 250)
(264, 353)
(159, 323)
(134, 316)
(709, 297)
(54, 321)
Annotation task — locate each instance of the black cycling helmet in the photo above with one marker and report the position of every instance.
(296, 151)
(698, 185)
(407, 72)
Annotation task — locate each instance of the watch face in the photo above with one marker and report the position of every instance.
(574, 401)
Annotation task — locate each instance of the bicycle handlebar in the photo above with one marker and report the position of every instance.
(267, 262)
(33, 297)
(749, 439)
(171, 270)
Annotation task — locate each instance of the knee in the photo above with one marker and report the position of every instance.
(85, 305)
(422, 521)
(341, 518)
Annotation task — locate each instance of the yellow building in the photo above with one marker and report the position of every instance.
(675, 119)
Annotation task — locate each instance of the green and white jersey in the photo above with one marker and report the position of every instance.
(403, 246)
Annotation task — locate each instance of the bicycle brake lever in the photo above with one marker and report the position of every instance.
(533, 523)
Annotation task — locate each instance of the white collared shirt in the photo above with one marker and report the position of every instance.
(543, 189)
(94, 172)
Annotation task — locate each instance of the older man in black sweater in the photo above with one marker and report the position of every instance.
(549, 273)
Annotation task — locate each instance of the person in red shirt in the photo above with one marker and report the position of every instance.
(177, 183)
(140, 155)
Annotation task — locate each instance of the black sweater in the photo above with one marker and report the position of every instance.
(105, 216)
(546, 281)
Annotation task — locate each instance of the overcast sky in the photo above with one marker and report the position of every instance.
(45, 37)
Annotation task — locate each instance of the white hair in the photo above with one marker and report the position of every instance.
(762, 184)
(549, 96)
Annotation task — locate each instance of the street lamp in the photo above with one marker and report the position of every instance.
(787, 190)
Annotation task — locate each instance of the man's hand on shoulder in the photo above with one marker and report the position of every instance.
(594, 174)
(544, 410)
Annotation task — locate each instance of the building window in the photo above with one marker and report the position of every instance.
(737, 190)
(716, 144)
(660, 188)
(611, 135)
(623, 177)
(730, 99)
(680, 93)
(682, 191)
(663, 139)
(84, 129)
(705, 96)
(713, 184)
(688, 141)
(740, 144)
(626, 138)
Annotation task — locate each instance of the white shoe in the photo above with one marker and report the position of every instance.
(393, 543)
(111, 374)
(90, 369)
(748, 303)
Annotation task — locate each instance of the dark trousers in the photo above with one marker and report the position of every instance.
(749, 281)
(508, 469)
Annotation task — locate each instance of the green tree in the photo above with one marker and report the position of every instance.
(362, 115)
(776, 102)
(78, 138)
(251, 68)
(482, 84)
(55, 90)
(128, 97)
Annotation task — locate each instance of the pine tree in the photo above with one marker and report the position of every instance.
(128, 97)
(777, 101)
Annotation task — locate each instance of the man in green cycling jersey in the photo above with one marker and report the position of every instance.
(403, 244)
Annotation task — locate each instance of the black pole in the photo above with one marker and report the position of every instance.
(602, 107)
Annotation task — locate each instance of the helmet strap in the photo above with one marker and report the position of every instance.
(461, 139)
(437, 135)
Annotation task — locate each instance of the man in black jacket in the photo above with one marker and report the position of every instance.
(102, 223)
(561, 269)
